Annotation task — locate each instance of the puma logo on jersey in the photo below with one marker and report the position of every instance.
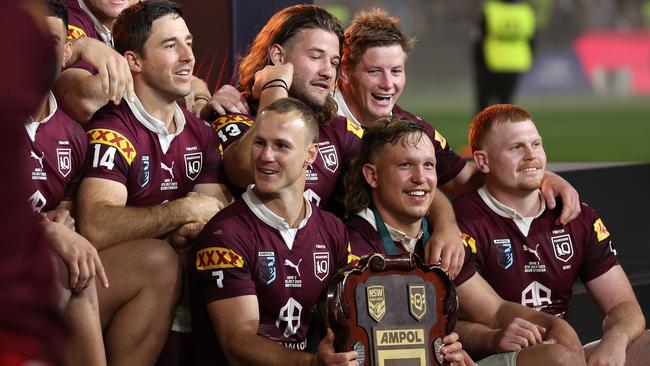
(169, 169)
(38, 158)
(527, 249)
(294, 266)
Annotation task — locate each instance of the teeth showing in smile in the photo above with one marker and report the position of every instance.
(183, 73)
(267, 171)
(416, 193)
(381, 97)
(529, 169)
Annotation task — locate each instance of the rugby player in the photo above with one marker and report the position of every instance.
(91, 23)
(373, 76)
(526, 256)
(152, 174)
(389, 189)
(31, 330)
(263, 262)
(56, 160)
(297, 54)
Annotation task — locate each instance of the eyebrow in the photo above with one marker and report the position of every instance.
(170, 39)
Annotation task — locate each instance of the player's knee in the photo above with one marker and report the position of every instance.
(159, 264)
(563, 356)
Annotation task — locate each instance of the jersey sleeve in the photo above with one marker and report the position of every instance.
(80, 157)
(224, 265)
(599, 253)
(231, 127)
(111, 153)
(448, 163)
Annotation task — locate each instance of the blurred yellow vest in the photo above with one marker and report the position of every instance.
(509, 29)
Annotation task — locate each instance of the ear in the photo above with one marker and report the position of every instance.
(134, 61)
(67, 52)
(312, 150)
(481, 160)
(370, 173)
(276, 54)
(344, 73)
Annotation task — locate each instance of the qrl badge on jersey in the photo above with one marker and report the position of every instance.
(505, 257)
(562, 247)
(193, 164)
(330, 157)
(64, 160)
(267, 270)
(321, 265)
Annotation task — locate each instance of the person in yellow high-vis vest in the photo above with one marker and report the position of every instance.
(503, 49)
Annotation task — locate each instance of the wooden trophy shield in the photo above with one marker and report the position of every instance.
(392, 310)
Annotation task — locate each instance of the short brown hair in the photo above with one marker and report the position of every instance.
(306, 114)
(498, 113)
(375, 28)
(385, 130)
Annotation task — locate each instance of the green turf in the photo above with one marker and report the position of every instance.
(574, 129)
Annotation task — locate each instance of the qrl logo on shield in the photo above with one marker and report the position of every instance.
(562, 247)
(321, 265)
(331, 160)
(193, 164)
(64, 162)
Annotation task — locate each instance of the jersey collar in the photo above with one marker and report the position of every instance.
(270, 218)
(103, 31)
(31, 126)
(523, 223)
(395, 234)
(155, 125)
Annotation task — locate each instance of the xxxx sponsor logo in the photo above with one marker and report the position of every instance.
(468, 241)
(75, 32)
(114, 139)
(231, 118)
(601, 230)
(217, 257)
(357, 130)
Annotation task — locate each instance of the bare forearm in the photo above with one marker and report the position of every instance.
(623, 324)
(441, 213)
(80, 102)
(105, 225)
(256, 350)
(476, 338)
(237, 161)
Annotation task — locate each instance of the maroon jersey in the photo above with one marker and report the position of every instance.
(57, 157)
(30, 323)
(246, 250)
(138, 152)
(337, 142)
(81, 24)
(448, 163)
(364, 239)
(537, 270)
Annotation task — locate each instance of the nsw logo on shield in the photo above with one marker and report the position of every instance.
(267, 269)
(505, 257)
(64, 161)
(193, 163)
(417, 301)
(376, 302)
